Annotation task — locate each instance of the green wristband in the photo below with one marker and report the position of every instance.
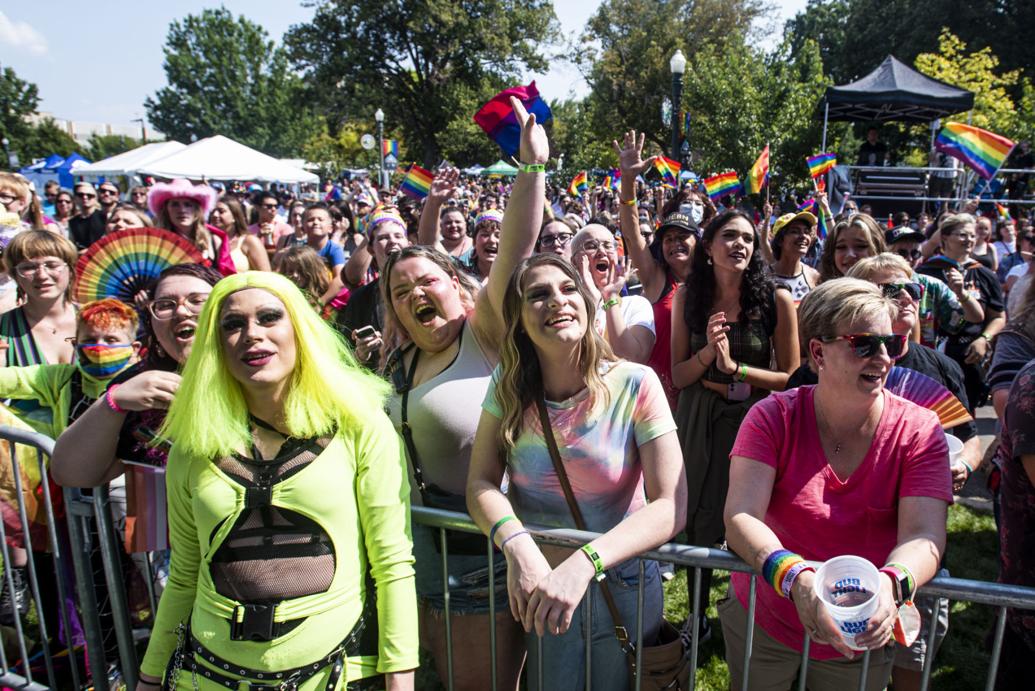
(742, 371)
(532, 168)
(594, 558)
(499, 523)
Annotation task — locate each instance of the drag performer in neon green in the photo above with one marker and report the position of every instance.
(288, 508)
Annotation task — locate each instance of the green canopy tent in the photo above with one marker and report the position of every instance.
(500, 167)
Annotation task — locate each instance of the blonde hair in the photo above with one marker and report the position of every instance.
(200, 235)
(874, 237)
(310, 271)
(950, 224)
(865, 269)
(520, 375)
(32, 244)
(328, 390)
(836, 303)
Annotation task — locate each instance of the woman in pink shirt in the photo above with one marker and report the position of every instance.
(843, 467)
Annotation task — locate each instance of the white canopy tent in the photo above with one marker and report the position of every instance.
(221, 158)
(129, 162)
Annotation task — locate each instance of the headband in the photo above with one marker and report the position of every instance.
(488, 215)
(383, 215)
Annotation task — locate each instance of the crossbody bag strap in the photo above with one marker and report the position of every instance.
(621, 633)
(406, 431)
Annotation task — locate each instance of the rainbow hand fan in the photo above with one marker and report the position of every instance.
(926, 392)
(123, 263)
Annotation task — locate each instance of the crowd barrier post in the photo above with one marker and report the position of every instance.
(695, 559)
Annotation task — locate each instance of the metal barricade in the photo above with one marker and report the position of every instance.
(19, 673)
(695, 559)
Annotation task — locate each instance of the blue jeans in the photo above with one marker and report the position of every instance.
(468, 577)
(564, 656)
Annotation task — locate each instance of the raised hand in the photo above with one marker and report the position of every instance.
(534, 147)
(443, 186)
(615, 281)
(149, 390)
(629, 155)
(587, 276)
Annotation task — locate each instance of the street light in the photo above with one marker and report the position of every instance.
(677, 65)
(379, 117)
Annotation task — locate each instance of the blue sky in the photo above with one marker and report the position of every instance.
(98, 61)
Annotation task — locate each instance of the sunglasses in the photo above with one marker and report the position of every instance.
(910, 255)
(868, 345)
(893, 290)
(84, 195)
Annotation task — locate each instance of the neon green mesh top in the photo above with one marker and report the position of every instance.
(356, 489)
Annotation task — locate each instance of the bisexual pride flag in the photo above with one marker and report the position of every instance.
(499, 122)
(980, 149)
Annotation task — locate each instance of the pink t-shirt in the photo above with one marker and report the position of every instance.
(819, 516)
(280, 229)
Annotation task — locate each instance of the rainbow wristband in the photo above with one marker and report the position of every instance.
(778, 567)
(902, 579)
(498, 525)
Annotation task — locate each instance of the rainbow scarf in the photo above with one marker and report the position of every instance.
(417, 182)
(758, 177)
(720, 185)
(579, 184)
(104, 360)
(669, 170)
(980, 149)
(821, 163)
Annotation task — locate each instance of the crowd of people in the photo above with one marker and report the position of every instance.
(643, 363)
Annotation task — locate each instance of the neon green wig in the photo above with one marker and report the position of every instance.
(209, 417)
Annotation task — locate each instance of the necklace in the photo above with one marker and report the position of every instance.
(837, 448)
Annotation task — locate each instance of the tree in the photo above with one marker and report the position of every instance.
(571, 136)
(417, 60)
(225, 77)
(103, 146)
(18, 101)
(629, 74)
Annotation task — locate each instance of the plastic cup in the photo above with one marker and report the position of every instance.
(848, 586)
(955, 449)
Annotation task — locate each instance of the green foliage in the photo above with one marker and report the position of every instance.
(45, 139)
(740, 99)
(425, 63)
(571, 136)
(102, 146)
(625, 52)
(225, 77)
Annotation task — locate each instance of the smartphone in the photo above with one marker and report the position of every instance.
(364, 332)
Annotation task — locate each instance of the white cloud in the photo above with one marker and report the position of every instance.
(21, 36)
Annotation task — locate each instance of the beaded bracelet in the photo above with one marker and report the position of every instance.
(781, 568)
(109, 400)
(499, 524)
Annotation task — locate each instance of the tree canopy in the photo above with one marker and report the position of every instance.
(226, 77)
(18, 100)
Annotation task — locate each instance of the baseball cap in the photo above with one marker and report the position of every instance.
(900, 233)
(787, 219)
(678, 219)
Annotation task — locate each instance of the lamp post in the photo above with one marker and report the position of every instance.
(379, 117)
(677, 65)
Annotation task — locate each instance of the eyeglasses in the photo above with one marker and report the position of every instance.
(85, 195)
(269, 206)
(561, 240)
(164, 308)
(868, 345)
(594, 245)
(29, 269)
(6, 198)
(911, 288)
(909, 255)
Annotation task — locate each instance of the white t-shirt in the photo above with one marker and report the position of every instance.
(1002, 249)
(1019, 270)
(636, 311)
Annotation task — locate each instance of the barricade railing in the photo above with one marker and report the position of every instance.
(696, 559)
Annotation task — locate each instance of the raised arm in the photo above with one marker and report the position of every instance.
(442, 188)
(356, 267)
(764, 236)
(651, 275)
(521, 221)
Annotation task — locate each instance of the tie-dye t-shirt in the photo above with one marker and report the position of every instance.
(599, 448)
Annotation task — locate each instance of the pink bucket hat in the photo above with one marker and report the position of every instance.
(203, 195)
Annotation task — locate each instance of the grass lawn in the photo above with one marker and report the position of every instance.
(962, 661)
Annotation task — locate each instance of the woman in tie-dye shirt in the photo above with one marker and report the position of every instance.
(618, 446)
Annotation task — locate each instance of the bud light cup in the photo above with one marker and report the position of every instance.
(848, 586)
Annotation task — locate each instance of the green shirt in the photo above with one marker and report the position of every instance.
(357, 490)
(51, 385)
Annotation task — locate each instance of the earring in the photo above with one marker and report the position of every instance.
(709, 261)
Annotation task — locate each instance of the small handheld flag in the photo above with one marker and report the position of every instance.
(417, 182)
(616, 179)
(718, 186)
(980, 149)
(669, 170)
(499, 122)
(813, 207)
(758, 177)
(579, 184)
(1004, 213)
(821, 163)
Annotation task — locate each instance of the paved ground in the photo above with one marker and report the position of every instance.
(975, 493)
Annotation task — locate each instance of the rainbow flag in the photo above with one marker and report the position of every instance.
(616, 179)
(718, 186)
(579, 184)
(980, 149)
(389, 146)
(821, 163)
(669, 170)
(1004, 213)
(417, 182)
(758, 177)
(498, 121)
(813, 207)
